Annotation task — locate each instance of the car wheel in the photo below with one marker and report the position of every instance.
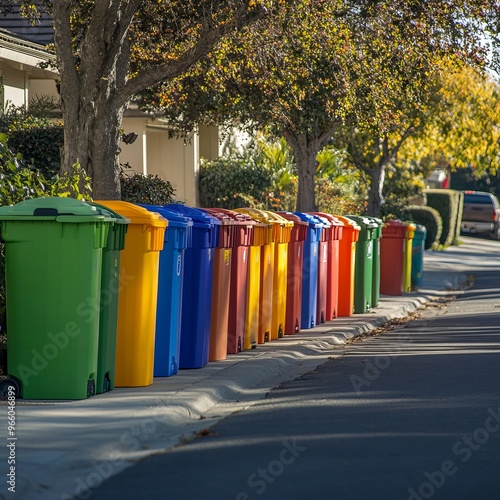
(496, 233)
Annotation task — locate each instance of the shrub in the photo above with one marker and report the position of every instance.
(428, 217)
(332, 197)
(36, 137)
(148, 189)
(233, 182)
(446, 202)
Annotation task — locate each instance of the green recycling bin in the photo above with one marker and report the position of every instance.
(53, 259)
(110, 288)
(417, 259)
(363, 274)
(376, 261)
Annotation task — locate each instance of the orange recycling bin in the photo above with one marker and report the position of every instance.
(347, 260)
(392, 256)
(221, 282)
(334, 235)
(243, 229)
(266, 272)
(294, 272)
(137, 300)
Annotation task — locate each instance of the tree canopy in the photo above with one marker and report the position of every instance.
(108, 51)
(319, 66)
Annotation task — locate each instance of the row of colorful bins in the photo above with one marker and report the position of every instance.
(192, 286)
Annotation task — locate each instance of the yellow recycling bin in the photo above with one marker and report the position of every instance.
(257, 251)
(410, 233)
(283, 233)
(138, 290)
(274, 254)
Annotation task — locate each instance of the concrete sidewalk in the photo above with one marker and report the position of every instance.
(67, 449)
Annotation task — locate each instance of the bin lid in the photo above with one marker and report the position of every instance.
(55, 209)
(328, 231)
(380, 224)
(245, 225)
(263, 229)
(410, 230)
(350, 226)
(224, 219)
(238, 217)
(200, 218)
(394, 229)
(175, 219)
(119, 219)
(313, 221)
(420, 232)
(332, 219)
(300, 227)
(282, 228)
(227, 233)
(336, 225)
(136, 214)
(367, 227)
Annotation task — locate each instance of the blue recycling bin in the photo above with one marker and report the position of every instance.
(197, 287)
(310, 269)
(417, 257)
(170, 281)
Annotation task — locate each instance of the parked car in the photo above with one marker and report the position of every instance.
(481, 214)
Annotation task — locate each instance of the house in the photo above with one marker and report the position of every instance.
(21, 77)
(22, 50)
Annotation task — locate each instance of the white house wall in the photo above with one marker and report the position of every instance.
(41, 87)
(15, 85)
(155, 153)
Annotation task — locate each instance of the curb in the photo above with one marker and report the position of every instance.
(178, 409)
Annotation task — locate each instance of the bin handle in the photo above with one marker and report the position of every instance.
(47, 212)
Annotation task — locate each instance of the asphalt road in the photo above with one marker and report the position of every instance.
(410, 414)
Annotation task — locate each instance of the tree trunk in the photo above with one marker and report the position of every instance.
(304, 152)
(375, 198)
(92, 139)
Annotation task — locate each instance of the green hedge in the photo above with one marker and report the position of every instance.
(428, 217)
(38, 139)
(446, 202)
(148, 189)
(460, 213)
(234, 182)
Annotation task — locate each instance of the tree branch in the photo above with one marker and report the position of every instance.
(208, 37)
(62, 38)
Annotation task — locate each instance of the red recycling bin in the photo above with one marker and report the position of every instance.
(392, 252)
(294, 272)
(220, 287)
(243, 226)
(334, 235)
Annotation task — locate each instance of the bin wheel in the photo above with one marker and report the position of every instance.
(6, 384)
(106, 385)
(90, 388)
(280, 332)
